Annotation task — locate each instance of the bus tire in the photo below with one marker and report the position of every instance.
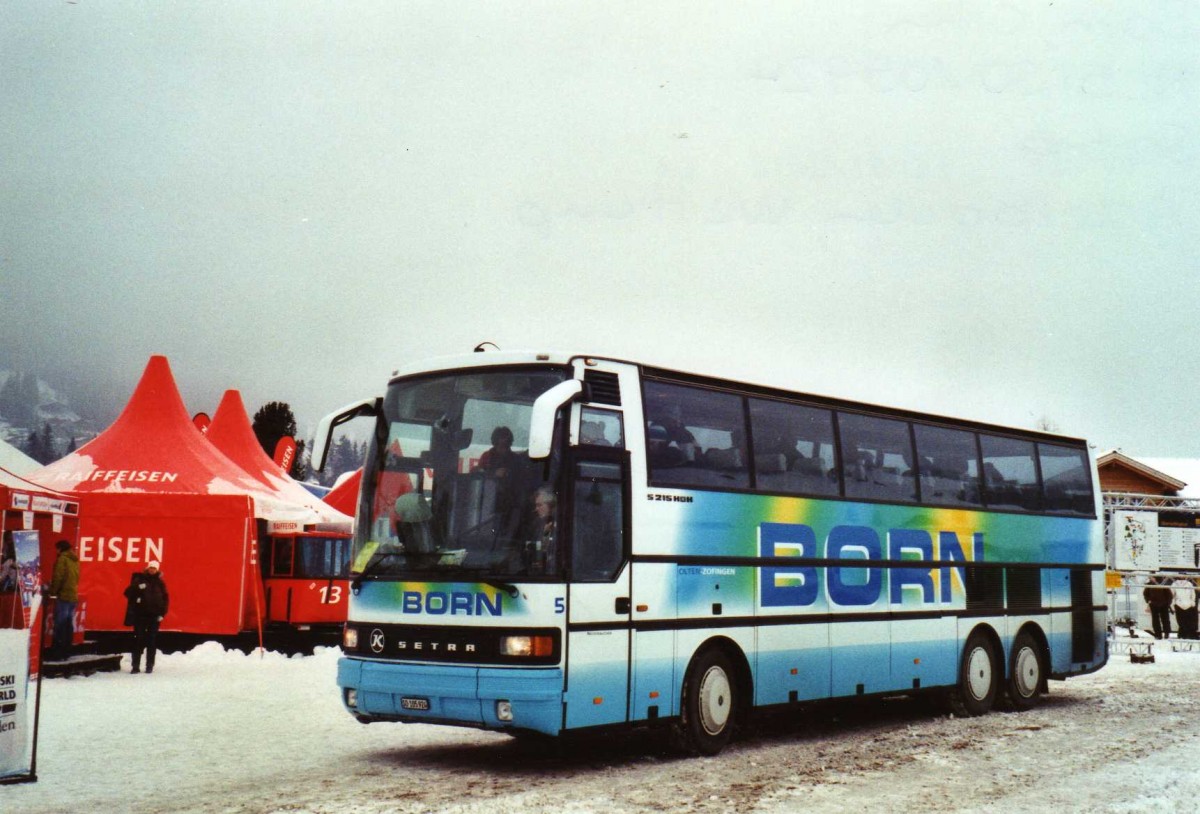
(708, 705)
(978, 677)
(1026, 673)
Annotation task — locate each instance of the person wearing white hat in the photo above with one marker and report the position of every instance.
(147, 605)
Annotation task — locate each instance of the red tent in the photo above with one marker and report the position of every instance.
(29, 506)
(231, 433)
(344, 496)
(391, 485)
(157, 490)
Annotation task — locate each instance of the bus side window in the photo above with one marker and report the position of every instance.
(877, 458)
(598, 536)
(793, 448)
(1009, 473)
(1066, 481)
(695, 437)
(949, 466)
(601, 428)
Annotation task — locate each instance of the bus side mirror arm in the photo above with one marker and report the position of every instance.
(325, 428)
(541, 423)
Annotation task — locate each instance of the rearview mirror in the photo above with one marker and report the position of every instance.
(326, 426)
(541, 423)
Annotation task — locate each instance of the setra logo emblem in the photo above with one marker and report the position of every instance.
(377, 640)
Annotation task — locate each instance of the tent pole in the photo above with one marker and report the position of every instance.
(258, 600)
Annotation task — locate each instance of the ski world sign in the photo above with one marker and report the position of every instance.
(18, 679)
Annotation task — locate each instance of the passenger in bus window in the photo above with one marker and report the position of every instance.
(500, 459)
(678, 435)
(779, 442)
(541, 548)
(659, 449)
(592, 433)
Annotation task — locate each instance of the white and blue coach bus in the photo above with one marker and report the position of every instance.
(548, 542)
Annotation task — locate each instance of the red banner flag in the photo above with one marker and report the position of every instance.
(285, 452)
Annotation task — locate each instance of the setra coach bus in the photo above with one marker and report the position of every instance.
(550, 543)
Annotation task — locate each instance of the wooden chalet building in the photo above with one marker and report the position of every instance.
(1120, 473)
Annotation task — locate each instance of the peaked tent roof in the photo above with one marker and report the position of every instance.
(16, 461)
(153, 447)
(231, 433)
(12, 480)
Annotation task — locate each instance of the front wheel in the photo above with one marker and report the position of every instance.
(1026, 674)
(709, 704)
(978, 678)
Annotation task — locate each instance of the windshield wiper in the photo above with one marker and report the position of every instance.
(371, 568)
(508, 588)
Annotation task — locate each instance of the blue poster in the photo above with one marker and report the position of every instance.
(19, 645)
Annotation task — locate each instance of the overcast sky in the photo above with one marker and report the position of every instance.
(982, 210)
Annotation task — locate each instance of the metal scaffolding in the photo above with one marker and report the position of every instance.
(1131, 500)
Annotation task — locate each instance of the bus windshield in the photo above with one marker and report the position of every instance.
(452, 491)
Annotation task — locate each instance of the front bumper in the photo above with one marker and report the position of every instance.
(458, 696)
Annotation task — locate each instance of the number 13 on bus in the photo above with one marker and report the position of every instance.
(549, 542)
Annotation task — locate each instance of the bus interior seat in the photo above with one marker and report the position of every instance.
(730, 458)
(770, 463)
(808, 466)
(412, 523)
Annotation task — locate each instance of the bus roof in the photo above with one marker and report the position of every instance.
(482, 359)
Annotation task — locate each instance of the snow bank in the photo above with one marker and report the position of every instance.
(220, 731)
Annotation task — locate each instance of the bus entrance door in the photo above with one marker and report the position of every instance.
(598, 594)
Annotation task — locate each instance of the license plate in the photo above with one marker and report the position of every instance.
(414, 703)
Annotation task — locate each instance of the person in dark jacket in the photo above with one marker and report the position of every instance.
(64, 590)
(147, 605)
(1159, 597)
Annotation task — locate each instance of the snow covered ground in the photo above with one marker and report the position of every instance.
(217, 731)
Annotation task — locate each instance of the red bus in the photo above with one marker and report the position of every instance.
(306, 577)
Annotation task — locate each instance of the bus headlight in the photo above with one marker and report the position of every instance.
(349, 638)
(526, 645)
(351, 697)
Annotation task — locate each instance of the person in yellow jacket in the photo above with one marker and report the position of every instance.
(64, 590)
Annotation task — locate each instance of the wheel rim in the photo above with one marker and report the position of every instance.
(1027, 672)
(979, 673)
(715, 698)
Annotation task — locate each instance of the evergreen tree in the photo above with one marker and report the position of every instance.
(49, 448)
(273, 421)
(299, 469)
(33, 446)
(343, 457)
(71, 447)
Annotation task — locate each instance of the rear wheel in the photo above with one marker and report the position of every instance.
(1026, 673)
(978, 677)
(709, 704)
